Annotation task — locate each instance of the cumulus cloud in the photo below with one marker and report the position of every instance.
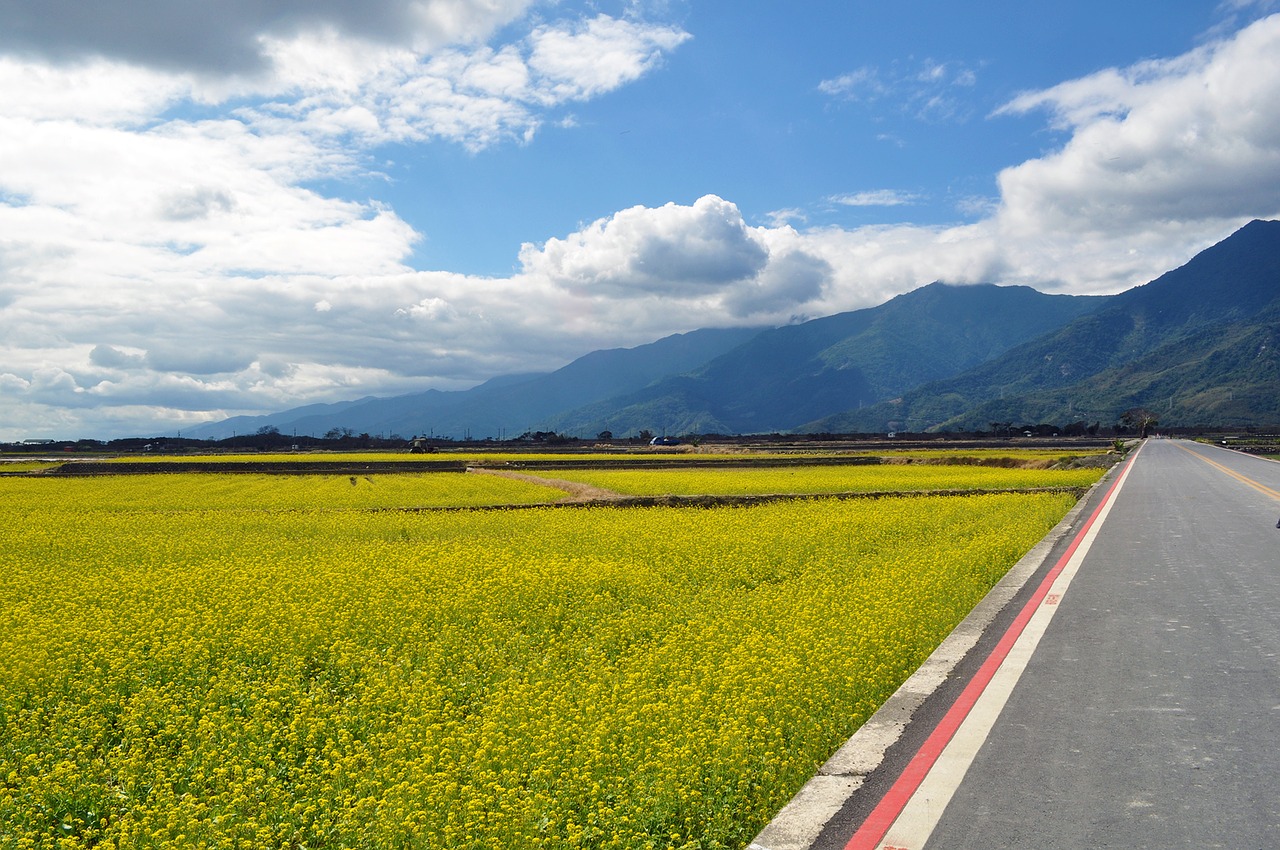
(1189, 139)
(398, 70)
(114, 358)
(596, 56)
(673, 250)
(228, 37)
(642, 266)
(1161, 159)
(791, 281)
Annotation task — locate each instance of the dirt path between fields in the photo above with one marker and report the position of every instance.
(577, 492)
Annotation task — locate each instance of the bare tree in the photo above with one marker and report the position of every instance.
(1139, 419)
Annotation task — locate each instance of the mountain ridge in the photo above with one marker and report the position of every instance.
(1227, 291)
(1199, 342)
(781, 377)
(505, 405)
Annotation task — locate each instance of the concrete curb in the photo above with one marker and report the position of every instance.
(799, 823)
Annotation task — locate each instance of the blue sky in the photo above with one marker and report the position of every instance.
(738, 111)
(216, 209)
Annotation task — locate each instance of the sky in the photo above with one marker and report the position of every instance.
(216, 209)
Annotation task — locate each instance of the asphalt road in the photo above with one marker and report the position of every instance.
(1149, 714)
(1120, 688)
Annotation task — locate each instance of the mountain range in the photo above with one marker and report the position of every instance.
(1197, 346)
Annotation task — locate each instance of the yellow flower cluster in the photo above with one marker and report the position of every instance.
(891, 478)
(988, 455)
(26, 465)
(401, 456)
(211, 670)
(225, 492)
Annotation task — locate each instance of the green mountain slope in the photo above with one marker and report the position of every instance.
(1195, 346)
(784, 377)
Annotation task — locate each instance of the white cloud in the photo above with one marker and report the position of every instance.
(860, 84)
(876, 198)
(642, 266)
(1236, 14)
(229, 38)
(1163, 144)
(476, 95)
(1163, 159)
(779, 218)
(596, 56)
(151, 261)
(91, 92)
(923, 89)
(673, 250)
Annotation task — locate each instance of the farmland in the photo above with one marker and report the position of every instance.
(826, 479)
(220, 660)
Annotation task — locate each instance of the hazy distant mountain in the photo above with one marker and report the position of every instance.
(248, 424)
(507, 405)
(1198, 345)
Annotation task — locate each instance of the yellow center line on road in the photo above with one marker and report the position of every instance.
(1243, 479)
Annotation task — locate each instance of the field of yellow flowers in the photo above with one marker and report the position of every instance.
(891, 478)
(192, 661)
